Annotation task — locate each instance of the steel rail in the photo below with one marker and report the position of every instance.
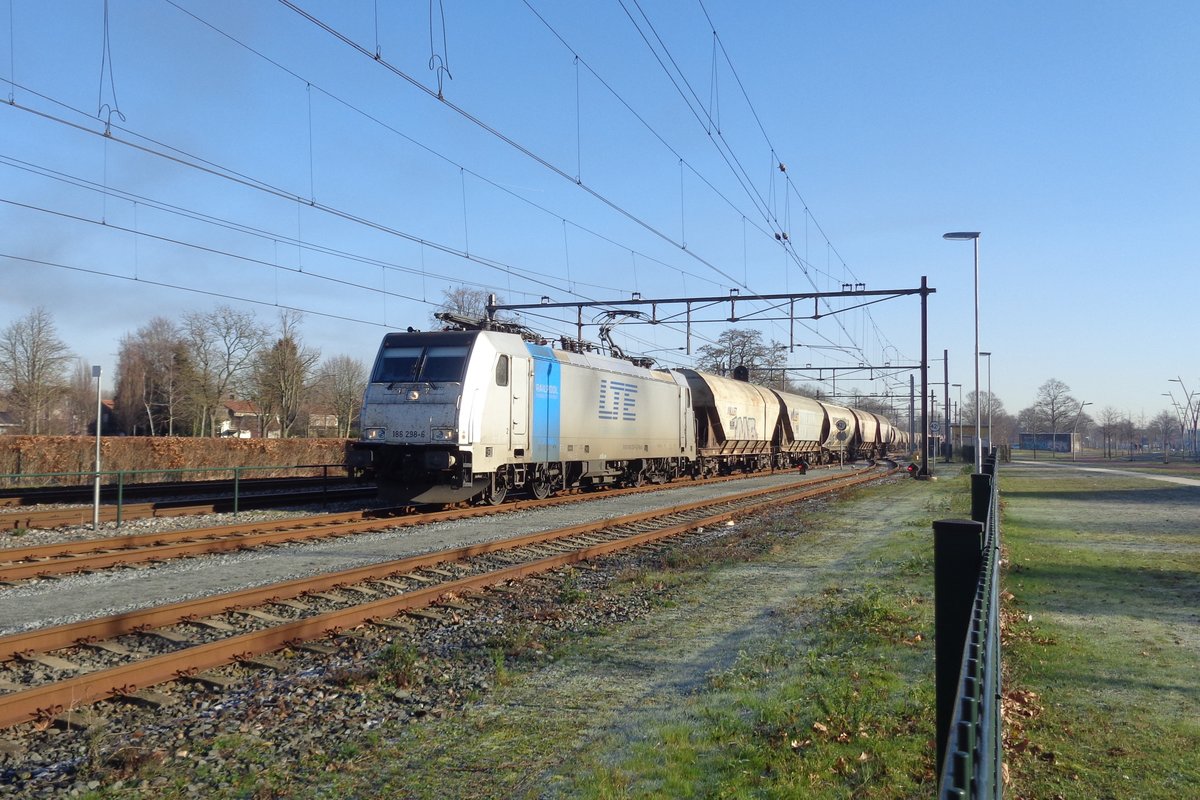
(80, 515)
(54, 638)
(85, 555)
(51, 699)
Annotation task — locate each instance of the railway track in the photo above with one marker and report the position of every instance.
(86, 555)
(35, 518)
(44, 675)
(35, 495)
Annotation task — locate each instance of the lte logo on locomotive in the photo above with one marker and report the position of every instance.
(618, 400)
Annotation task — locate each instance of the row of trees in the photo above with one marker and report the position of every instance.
(1056, 410)
(173, 377)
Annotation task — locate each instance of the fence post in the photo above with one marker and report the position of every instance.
(957, 558)
(981, 495)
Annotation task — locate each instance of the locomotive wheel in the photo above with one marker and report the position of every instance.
(494, 495)
(539, 484)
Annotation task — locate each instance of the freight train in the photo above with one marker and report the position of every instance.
(474, 413)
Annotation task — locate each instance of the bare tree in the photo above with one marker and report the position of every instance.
(467, 301)
(1004, 427)
(32, 364)
(1056, 405)
(281, 375)
(1110, 420)
(1164, 427)
(221, 345)
(988, 403)
(80, 397)
(1127, 432)
(340, 383)
(151, 367)
(990, 406)
(745, 348)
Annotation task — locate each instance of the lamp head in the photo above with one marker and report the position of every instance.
(961, 236)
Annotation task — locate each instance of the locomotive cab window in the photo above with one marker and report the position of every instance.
(398, 365)
(502, 371)
(443, 364)
(415, 359)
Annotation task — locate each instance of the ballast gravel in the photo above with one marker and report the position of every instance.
(62, 600)
(318, 702)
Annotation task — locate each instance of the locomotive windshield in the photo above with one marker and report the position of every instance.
(422, 358)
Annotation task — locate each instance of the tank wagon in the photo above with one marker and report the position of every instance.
(457, 415)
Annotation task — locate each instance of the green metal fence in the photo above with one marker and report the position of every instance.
(967, 629)
(115, 483)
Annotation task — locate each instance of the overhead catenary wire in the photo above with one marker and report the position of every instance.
(739, 172)
(571, 286)
(493, 131)
(185, 159)
(432, 151)
(726, 151)
(543, 161)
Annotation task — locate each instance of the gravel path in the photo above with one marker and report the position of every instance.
(1125, 472)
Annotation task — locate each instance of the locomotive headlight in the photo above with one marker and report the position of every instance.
(413, 394)
(374, 434)
(444, 434)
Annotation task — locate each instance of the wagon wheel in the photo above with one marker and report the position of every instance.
(635, 478)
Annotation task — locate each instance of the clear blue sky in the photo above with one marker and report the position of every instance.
(1066, 132)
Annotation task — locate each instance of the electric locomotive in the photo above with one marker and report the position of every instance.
(450, 416)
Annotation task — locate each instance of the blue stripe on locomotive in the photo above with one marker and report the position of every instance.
(547, 404)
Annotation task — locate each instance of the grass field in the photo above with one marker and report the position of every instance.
(794, 659)
(1103, 635)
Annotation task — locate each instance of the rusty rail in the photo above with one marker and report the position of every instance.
(84, 555)
(48, 700)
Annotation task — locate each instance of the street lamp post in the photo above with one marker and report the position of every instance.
(96, 488)
(991, 441)
(1195, 418)
(960, 437)
(962, 236)
(1075, 428)
(1189, 415)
